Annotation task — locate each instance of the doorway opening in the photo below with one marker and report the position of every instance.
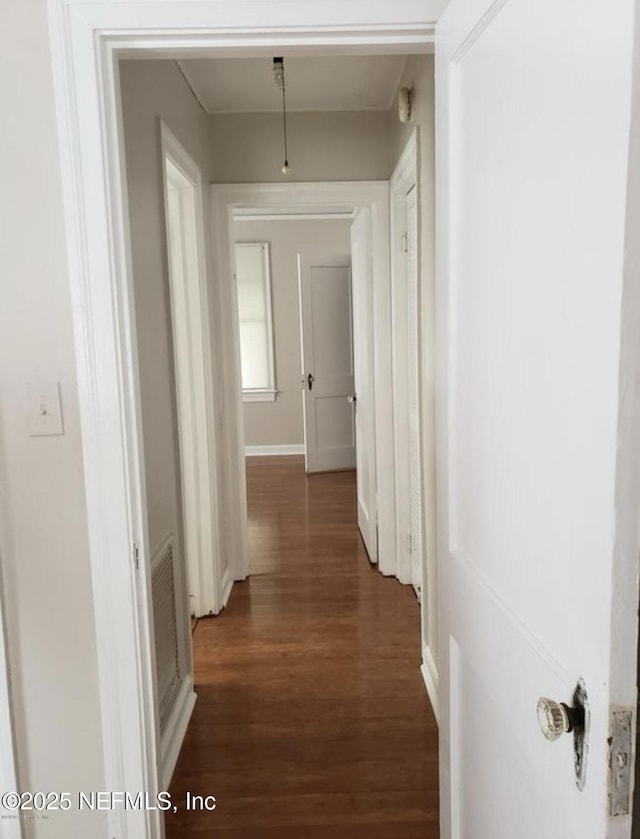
(359, 280)
(292, 275)
(369, 203)
(131, 761)
(309, 309)
(475, 144)
(304, 548)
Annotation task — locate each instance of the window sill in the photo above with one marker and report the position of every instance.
(259, 395)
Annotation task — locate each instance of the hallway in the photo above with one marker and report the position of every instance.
(312, 720)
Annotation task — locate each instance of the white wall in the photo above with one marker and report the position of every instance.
(418, 74)
(332, 146)
(281, 422)
(43, 527)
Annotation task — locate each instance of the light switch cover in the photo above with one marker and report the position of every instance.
(45, 409)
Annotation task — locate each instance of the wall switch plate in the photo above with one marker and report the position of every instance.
(45, 409)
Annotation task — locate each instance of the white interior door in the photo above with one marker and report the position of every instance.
(327, 363)
(537, 528)
(362, 289)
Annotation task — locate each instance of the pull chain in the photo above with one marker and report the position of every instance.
(278, 71)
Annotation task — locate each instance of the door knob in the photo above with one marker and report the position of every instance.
(557, 718)
(352, 399)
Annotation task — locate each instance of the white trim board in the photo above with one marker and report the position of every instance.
(176, 729)
(287, 449)
(254, 215)
(429, 672)
(87, 41)
(8, 767)
(403, 179)
(259, 395)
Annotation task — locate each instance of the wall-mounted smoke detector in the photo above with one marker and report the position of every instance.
(405, 104)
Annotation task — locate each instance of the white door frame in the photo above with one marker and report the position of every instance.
(404, 177)
(87, 40)
(12, 826)
(326, 199)
(192, 339)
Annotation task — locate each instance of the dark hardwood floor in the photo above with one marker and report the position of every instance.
(312, 721)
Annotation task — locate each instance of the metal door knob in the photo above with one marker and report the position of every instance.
(352, 399)
(557, 718)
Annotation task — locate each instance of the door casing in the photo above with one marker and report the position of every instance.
(208, 585)
(8, 763)
(327, 199)
(404, 177)
(87, 42)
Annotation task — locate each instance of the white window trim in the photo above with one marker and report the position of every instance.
(262, 394)
(259, 395)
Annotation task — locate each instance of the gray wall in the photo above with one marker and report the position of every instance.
(43, 522)
(281, 422)
(150, 90)
(340, 146)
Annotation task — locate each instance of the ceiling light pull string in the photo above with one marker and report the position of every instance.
(278, 71)
(285, 167)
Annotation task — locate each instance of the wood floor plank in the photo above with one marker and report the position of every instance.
(312, 719)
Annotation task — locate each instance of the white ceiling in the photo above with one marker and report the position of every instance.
(318, 83)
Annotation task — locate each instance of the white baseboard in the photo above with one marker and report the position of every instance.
(175, 731)
(290, 448)
(429, 672)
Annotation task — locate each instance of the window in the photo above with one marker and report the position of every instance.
(254, 311)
